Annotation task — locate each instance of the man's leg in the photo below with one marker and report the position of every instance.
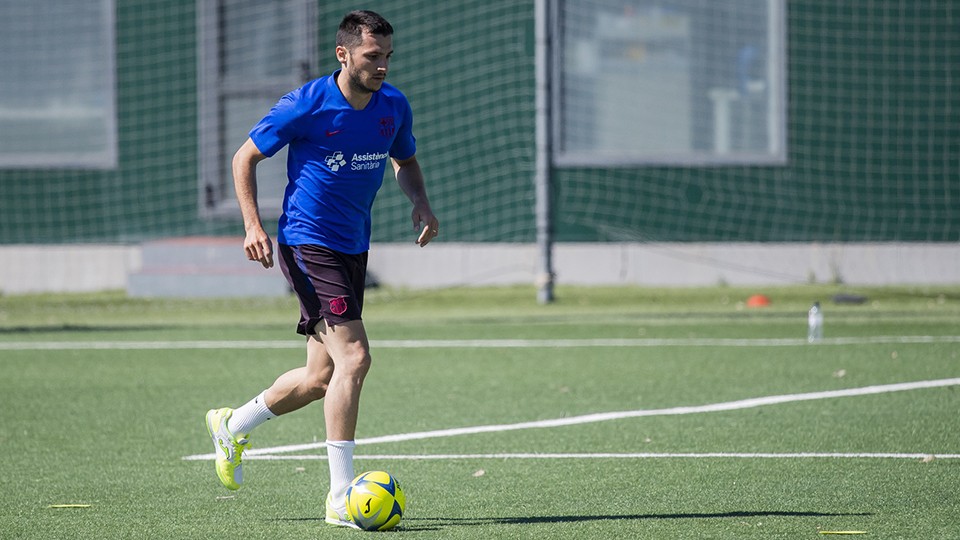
(347, 344)
(349, 349)
(302, 386)
(294, 389)
(291, 391)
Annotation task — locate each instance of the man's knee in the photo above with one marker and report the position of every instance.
(316, 382)
(316, 388)
(356, 361)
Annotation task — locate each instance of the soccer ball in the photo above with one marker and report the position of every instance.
(375, 501)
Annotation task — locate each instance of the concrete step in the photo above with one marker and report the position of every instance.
(197, 251)
(202, 267)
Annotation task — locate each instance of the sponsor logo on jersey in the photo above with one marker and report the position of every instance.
(358, 162)
(335, 161)
(366, 162)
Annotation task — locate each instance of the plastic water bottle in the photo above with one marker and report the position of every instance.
(814, 324)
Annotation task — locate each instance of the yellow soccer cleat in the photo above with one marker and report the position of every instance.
(338, 517)
(229, 449)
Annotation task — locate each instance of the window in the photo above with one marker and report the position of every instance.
(57, 92)
(251, 53)
(669, 82)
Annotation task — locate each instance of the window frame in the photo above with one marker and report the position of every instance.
(776, 118)
(84, 159)
(215, 197)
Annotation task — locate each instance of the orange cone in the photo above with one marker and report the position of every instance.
(758, 300)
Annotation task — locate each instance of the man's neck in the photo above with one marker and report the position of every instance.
(357, 98)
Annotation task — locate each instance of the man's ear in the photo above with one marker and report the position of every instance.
(342, 54)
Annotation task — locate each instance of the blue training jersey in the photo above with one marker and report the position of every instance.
(335, 160)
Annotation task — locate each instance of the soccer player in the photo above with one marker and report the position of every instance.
(340, 130)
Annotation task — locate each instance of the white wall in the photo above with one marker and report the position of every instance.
(660, 264)
(66, 268)
(77, 268)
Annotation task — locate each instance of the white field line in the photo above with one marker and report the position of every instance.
(603, 417)
(627, 455)
(466, 343)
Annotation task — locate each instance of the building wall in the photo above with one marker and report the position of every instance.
(873, 137)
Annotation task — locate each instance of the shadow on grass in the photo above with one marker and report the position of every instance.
(431, 524)
(57, 328)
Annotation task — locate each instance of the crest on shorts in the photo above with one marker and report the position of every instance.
(338, 305)
(387, 127)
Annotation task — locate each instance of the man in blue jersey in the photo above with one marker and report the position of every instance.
(341, 131)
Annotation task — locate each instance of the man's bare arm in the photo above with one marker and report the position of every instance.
(257, 244)
(410, 178)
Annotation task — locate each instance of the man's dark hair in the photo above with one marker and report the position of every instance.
(355, 23)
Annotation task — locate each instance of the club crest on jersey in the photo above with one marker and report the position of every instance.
(338, 305)
(387, 128)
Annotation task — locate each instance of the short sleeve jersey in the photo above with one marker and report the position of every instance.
(336, 159)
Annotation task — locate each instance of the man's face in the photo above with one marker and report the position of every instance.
(366, 64)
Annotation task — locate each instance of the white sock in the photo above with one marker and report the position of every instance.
(340, 458)
(249, 416)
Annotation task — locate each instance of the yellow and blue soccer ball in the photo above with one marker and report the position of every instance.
(375, 501)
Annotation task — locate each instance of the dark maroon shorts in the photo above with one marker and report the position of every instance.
(328, 283)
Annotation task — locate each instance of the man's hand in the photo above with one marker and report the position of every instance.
(258, 247)
(431, 227)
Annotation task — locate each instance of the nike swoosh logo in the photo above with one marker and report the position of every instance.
(334, 132)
